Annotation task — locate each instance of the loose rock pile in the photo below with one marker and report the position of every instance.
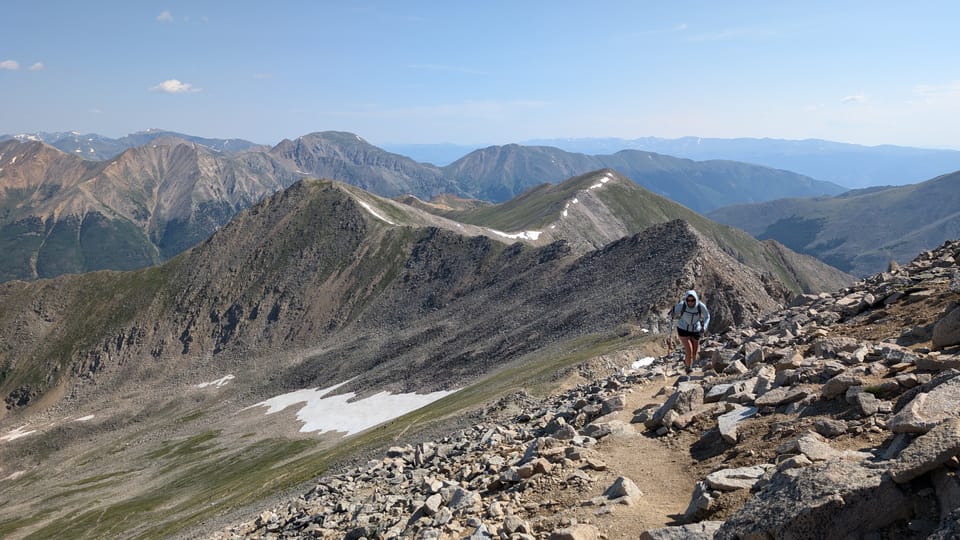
(838, 417)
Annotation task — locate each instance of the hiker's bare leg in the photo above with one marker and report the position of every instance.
(694, 349)
(687, 350)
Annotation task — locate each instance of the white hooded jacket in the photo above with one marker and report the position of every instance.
(694, 318)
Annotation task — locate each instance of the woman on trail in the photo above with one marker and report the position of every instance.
(692, 321)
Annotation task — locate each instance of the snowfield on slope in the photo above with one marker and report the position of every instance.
(322, 412)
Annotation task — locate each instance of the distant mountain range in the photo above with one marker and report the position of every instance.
(499, 173)
(97, 147)
(860, 231)
(63, 214)
(849, 165)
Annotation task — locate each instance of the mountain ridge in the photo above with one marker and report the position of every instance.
(859, 232)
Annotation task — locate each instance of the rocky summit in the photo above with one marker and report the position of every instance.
(834, 418)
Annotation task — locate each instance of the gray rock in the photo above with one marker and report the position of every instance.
(727, 423)
(946, 331)
(830, 428)
(734, 479)
(815, 447)
(432, 504)
(703, 530)
(613, 404)
(946, 485)
(781, 396)
(928, 451)
(513, 524)
(927, 409)
(463, 500)
(580, 531)
(718, 392)
(686, 398)
(937, 362)
(623, 487)
(841, 499)
(838, 385)
(701, 501)
(867, 403)
(830, 347)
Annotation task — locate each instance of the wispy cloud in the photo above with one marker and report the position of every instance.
(263, 76)
(854, 99)
(467, 109)
(10, 65)
(173, 86)
(682, 27)
(165, 17)
(948, 90)
(38, 66)
(734, 33)
(449, 69)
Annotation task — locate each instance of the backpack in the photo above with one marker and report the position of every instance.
(683, 310)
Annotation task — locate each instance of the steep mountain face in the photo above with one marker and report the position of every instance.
(849, 165)
(61, 214)
(592, 210)
(862, 231)
(317, 285)
(499, 173)
(348, 158)
(402, 307)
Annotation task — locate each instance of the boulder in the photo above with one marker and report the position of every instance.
(830, 428)
(836, 499)
(928, 451)
(838, 385)
(781, 396)
(580, 531)
(686, 398)
(946, 332)
(734, 479)
(928, 409)
(623, 488)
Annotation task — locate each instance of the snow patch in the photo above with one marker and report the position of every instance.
(16, 434)
(643, 362)
(86, 418)
(16, 475)
(323, 412)
(374, 212)
(218, 383)
(13, 160)
(525, 235)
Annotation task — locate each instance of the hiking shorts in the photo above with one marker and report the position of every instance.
(686, 333)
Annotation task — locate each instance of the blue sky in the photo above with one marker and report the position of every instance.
(490, 72)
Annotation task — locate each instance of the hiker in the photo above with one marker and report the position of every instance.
(692, 325)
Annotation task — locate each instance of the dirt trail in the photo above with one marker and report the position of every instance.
(661, 467)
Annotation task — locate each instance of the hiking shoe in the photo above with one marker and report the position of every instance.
(689, 370)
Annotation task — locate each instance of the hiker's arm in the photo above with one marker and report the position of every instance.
(706, 318)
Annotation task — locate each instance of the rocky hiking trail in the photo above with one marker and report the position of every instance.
(837, 417)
